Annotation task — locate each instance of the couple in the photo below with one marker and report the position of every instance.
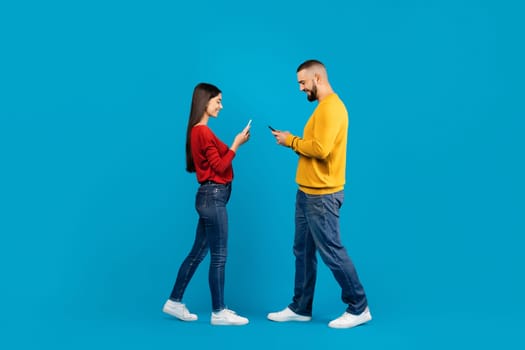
(320, 176)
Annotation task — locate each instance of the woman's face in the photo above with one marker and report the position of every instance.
(214, 106)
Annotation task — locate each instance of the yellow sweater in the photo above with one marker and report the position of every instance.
(322, 149)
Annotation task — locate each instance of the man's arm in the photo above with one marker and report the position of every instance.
(318, 145)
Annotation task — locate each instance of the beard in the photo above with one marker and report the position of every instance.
(311, 95)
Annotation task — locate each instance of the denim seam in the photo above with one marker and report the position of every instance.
(186, 279)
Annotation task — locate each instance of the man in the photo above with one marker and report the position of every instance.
(321, 178)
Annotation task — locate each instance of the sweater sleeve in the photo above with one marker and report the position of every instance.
(211, 149)
(325, 128)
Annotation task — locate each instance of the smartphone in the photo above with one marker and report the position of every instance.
(272, 129)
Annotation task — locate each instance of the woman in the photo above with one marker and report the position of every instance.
(211, 160)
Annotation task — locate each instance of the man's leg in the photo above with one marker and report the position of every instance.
(305, 261)
(322, 213)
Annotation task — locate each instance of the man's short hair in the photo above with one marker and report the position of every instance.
(309, 64)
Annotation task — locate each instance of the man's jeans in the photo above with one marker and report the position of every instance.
(212, 234)
(317, 228)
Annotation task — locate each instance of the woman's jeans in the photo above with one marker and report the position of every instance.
(212, 234)
(317, 228)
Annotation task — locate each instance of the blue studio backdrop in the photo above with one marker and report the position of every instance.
(97, 211)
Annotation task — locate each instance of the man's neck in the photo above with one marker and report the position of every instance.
(324, 94)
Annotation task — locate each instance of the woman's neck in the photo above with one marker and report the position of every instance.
(204, 120)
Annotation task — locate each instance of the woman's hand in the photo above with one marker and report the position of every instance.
(240, 139)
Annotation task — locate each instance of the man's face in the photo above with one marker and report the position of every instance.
(307, 84)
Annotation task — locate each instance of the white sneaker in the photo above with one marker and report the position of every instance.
(178, 310)
(348, 320)
(227, 317)
(287, 315)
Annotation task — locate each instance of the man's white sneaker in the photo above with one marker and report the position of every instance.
(287, 315)
(348, 320)
(227, 317)
(178, 310)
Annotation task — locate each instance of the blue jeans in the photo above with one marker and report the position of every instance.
(212, 235)
(317, 229)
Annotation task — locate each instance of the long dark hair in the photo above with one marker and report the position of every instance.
(202, 94)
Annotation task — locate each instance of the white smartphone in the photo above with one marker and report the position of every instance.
(247, 127)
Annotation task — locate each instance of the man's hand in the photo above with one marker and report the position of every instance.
(280, 136)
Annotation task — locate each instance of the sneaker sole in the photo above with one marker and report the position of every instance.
(225, 323)
(291, 319)
(352, 326)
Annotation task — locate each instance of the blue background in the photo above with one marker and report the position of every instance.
(97, 209)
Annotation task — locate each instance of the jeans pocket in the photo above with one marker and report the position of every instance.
(202, 199)
(315, 205)
(220, 195)
(339, 198)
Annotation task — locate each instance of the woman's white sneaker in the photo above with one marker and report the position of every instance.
(227, 317)
(348, 320)
(178, 310)
(287, 315)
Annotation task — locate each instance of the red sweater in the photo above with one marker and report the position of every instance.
(212, 157)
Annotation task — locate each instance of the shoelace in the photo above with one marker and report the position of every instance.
(347, 316)
(230, 311)
(185, 310)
